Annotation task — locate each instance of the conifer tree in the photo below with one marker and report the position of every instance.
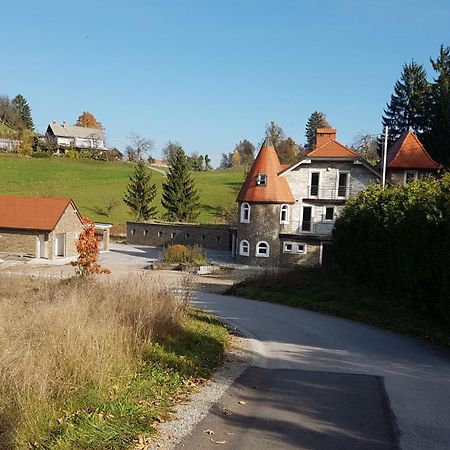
(409, 107)
(180, 197)
(316, 120)
(438, 140)
(23, 112)
(140, 193)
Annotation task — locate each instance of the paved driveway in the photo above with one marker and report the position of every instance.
(395, 385)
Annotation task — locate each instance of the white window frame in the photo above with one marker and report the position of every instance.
(325, 220)
(284, 208)
(312, 219)
(261, 179)
(415, 174)
(258, 253)
(295, 247)
(347, 187)
(311, 171)
(241, 248)
(245, 207)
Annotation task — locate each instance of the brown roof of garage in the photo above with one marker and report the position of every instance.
(32, 213)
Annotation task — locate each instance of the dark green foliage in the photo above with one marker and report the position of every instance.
(23, 112)
(180, 197)
(397, 240)
(409, 107)
(207, 163)
(140, 193)
(316, 120)
(438, 141)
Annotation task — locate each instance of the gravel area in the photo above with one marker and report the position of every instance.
(187, 415)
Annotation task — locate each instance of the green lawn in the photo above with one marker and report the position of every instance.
(91, 184)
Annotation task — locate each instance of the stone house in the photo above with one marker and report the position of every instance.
(286, 214)
(407, 160)
(39, 227)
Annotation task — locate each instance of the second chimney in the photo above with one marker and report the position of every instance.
(324, 135)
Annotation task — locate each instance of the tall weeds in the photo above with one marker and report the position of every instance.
(59, 338)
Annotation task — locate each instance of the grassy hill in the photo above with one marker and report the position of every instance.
(93, 183)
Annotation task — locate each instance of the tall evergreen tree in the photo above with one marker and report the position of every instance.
(316, 120)
(140, 193)
(23, 112)
(409, 107)
(438, 140)
(180, 197)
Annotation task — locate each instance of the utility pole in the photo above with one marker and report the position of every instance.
(385, 155)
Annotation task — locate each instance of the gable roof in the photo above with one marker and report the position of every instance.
(408, 152)
(332, 149)
(71, 131)
(32, 213)
(276, 190)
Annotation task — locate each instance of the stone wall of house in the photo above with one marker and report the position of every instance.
(310, 257)
(19, 241)
(397, 176)
(160, 234)
(264, 225)
(70, 225)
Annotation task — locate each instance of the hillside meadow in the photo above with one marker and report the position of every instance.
(94, 184)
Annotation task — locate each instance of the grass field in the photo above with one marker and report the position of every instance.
(91, 184)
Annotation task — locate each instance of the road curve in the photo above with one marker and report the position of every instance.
(416, 376)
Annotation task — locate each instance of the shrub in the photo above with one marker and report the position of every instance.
(72, 153)
(41, 154)
(183, 254)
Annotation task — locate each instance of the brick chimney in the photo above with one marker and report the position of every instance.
(324, 135)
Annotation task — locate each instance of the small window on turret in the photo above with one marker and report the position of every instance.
(261, 180)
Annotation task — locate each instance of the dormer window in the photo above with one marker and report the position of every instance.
(261, 179)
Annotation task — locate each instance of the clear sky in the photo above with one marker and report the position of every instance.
(208, 73)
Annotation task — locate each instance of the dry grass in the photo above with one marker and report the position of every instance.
(59, 338)
(185, 254)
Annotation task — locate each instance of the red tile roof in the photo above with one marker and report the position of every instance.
(333, 149)
(408, 152)
(32, 213)
(276, 190)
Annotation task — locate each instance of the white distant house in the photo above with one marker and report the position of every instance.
(82, 138)
(9, 145)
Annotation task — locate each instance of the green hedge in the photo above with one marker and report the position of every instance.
(397, 240)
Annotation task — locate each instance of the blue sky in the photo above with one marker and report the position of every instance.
(208, 73)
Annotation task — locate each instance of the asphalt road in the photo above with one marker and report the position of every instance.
(321, 382)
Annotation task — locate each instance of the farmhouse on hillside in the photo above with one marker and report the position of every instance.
(66, 137)
(39, 227)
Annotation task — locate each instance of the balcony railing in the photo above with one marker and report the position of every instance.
(308, 227)
(339, 193)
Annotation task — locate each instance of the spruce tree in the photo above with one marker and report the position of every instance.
(140, 193)
(438, 140)
(23, 112)
(409, 107)
(316, 120)
(180, 197)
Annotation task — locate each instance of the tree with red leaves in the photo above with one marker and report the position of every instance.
(87, 246)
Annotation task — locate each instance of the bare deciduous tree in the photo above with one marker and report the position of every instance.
(139, 147)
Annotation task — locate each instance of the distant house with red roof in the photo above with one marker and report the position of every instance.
(39, 227)
(286, 215)
(407, 160)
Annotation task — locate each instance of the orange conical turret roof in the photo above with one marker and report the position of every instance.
(275, 189)
(408, 152)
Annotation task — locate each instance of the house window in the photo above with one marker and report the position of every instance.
(159, 234)
(314, 188)
(172, 235)
(343, 184)
(187, 235)
(244, 248)
(218, 238)
(133, 232)
(261, 179)
(145, 232)
(410, 175)
(301, 248)
(293, 247)
(262, 249)
(307, 219)
(245, 213)
(284, 214)
(288, 247)
(329, 214)
(203, 237)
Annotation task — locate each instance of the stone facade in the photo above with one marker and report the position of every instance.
(398, 176)
(28, 241)
(160, 234)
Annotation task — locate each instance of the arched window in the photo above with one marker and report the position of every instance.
(284, 214)
(244, 248)
(245, 213)
(262, 249)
